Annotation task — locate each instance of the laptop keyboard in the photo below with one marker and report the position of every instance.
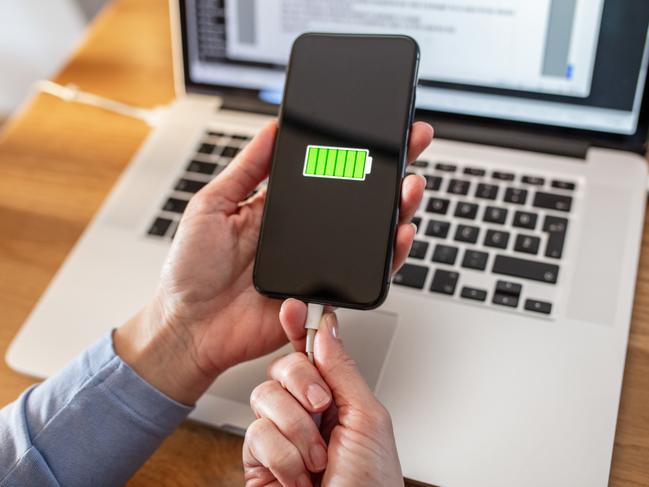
(472, 220)
(214, 152)
(476, 222)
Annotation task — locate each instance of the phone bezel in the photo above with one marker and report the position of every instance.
(403, 154)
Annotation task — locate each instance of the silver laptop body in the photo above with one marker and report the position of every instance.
(500, 350)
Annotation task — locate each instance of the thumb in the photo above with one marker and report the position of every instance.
(337, 368)
(246, 171)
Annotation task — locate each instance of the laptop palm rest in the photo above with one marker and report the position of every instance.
(366, 334)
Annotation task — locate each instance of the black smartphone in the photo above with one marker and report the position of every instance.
(332, 205)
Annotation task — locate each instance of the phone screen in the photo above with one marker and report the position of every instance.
(334, 186)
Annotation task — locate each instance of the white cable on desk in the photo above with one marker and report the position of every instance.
(71, 92)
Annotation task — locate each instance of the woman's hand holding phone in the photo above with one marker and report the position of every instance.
(206, 315)
(355, 445)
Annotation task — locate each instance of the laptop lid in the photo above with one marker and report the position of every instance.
(553, 75)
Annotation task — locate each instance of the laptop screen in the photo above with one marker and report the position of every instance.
(566, 63)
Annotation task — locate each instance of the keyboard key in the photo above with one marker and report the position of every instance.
(411, 275)
(240, 137)
(505, 300)
(527, 243)
(202, 167)
(503, 176)
(437, 229)
(445, 254)
(486, 191)
(437, 205)
(466, 210)
(458, 186)
(474, 293)
(497, 239)
(189, 186)
(552, 201)
(443, 166)
(493, 214)
(206, 148)
(175, 205)
(230, 151)
(473, 171)
(555, 224)
(525, 219)
(420, 163)
(533, 180)
(526, 269)
(556, 228)
(418, 249)
(417, 221)
(159, 227)
(516, 196)
(554, 247)
(467, 233)
(433, 182)
(212, 133)
(506, 287)
(475, 260)
(444, 282)
(567, 185)
(538, 306)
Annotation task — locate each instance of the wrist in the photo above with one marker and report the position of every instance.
(162, 354)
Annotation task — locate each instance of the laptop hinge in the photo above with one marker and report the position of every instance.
(465, 131)
(247, 103)
(512, 138)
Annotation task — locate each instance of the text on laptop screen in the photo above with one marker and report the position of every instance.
(571, 63)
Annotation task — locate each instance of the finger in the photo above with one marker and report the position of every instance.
(338, 369)
(301, 378)
(270, 400)
(421, 135)
(246, 171)
(265, 446)
(412, 191)
(328, 422)
(292, 316)
(402, 244)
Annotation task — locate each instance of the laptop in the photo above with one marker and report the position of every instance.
(500, 350)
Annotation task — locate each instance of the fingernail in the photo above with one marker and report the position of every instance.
(332, 324)
(318, 457)
(317, 396)
(304, 481)
(414, 227)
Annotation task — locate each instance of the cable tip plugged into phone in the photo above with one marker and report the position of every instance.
(313, 316)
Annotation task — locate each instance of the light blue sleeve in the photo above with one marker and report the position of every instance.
(92, 424)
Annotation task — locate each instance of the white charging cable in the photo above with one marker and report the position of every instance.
(151, 116)
(313, 317)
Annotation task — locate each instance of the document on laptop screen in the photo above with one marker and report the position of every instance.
(557, 62)
(545, 46)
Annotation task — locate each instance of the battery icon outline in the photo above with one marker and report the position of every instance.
(350, 164)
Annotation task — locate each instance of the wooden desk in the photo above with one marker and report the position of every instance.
(59, 160)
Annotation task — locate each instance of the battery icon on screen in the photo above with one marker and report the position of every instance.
(337, 162)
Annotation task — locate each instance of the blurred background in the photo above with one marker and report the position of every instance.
(45, 32)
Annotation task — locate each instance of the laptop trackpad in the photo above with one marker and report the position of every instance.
(366, 335)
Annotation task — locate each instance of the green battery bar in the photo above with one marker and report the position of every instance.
(337, 162)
